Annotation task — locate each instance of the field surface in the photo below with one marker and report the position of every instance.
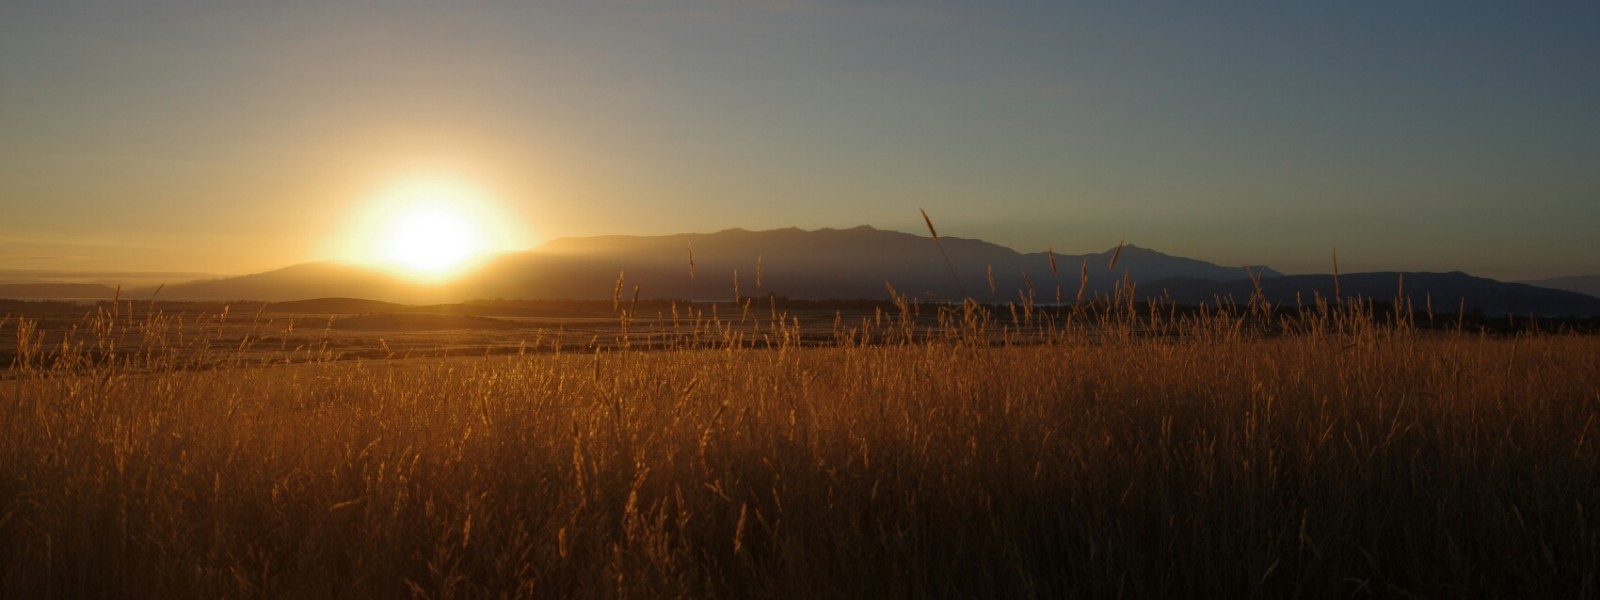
(927, 452)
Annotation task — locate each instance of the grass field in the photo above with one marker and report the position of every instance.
(1110, 452)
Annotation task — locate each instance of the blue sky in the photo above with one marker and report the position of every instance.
(232, 137)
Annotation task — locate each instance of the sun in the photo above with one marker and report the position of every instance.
(429, 240)
(429, 228)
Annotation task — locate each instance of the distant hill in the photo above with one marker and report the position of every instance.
(837, 264)
(1582, 284)
(1448, 292)
(304, 281)
(815, 265)
(820, 264)
(75, 291)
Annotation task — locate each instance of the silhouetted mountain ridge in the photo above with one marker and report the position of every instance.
(858, 262)
(818, 264)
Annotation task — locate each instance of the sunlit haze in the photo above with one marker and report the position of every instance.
(233, 138)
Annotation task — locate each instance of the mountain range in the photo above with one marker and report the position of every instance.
(826, 263)
(861, 262)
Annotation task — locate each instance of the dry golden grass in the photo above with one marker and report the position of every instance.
(1006, 455)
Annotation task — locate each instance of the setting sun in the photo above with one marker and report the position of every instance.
(429, 240)
(428, 228)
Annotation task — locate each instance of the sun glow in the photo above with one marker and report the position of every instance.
(429, 228)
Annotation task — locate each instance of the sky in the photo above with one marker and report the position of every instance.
(162, 140)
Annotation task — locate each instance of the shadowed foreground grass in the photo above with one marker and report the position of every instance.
(1344, 458)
